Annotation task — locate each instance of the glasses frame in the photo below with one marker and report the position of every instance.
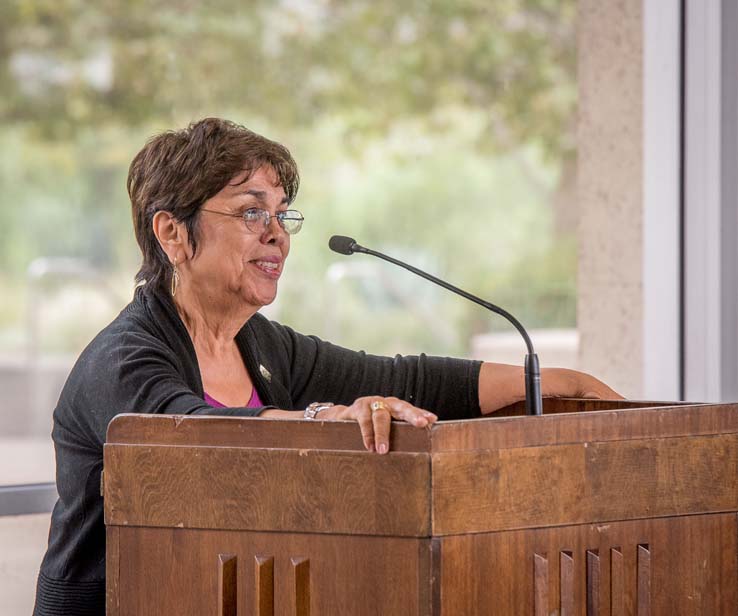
(266, 217)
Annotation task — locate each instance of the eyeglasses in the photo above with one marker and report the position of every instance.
(257, 219)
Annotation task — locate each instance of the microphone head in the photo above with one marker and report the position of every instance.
(342, 244)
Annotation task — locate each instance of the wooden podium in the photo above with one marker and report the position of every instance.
(610, 508)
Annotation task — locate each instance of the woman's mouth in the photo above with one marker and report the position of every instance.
(272, 268)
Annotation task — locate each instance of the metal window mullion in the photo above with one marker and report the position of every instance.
(27, 498)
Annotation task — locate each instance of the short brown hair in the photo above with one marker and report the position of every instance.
(177, 171)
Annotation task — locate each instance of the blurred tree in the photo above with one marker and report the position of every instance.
(450, 119)
(70, 63)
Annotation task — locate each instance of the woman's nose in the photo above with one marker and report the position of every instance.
(273, 232)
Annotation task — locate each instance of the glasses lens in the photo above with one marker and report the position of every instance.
(256, 219)
(291, 221)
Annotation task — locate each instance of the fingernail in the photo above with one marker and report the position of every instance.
(370, 447)
(382, 448)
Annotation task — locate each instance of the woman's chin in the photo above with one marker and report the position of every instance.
(261, 299)
(266, 302)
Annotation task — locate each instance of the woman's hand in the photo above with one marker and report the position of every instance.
(502, 384)
(564, 383)
(374, 415)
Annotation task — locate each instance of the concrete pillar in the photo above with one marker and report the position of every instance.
(610, 193)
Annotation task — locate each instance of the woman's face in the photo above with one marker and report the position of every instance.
(234, 265)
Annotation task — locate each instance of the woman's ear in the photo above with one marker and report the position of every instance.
(172, 236)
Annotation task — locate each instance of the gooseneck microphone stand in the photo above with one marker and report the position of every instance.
(533, 400)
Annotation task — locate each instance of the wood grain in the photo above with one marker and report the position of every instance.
(643, 576)
(112, 567)
(430, 603)
(170, 571)
(554, 406)
(589, 482)
(563, 422)
(582, 427)
(273, 489)
(227, 585)
(622, 512)
(264, 585)
(540, 576)
(301, 585)
(214, 431)
(566, 583)
(506, 583)
(617, 582)
(133, 428)
(593, 583)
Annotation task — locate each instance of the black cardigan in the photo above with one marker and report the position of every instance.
(144, 362)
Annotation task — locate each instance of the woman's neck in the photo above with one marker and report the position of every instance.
(212, 325)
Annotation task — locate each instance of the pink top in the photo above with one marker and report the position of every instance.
(254, 401)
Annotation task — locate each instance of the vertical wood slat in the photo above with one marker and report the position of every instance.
(593, 583)
(264, 585)
(566, 583)
(644, 580)
(301, 574)
(227, 585)
(436, 580)
(617, 590)
(112, 565)
(540, 582)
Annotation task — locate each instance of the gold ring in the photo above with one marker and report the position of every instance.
(376, 405)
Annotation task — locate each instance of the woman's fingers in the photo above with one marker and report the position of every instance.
(385, 409)
(381, 420)
(597, 389)
(404, 411)
(374, 418)
(374, 415)
(363, 416)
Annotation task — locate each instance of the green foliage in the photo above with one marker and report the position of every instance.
(64, 198)
(458, 213)
(70, 63)
(432, 129)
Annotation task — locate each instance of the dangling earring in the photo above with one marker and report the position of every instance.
(175, 277)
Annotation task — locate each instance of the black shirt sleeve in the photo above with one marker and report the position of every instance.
(321, 371)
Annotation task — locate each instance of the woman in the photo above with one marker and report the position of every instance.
(211, 215)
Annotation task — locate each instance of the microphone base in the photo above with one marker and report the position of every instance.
(533, 398)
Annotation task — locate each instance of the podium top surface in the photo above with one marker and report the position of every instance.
(564, 421)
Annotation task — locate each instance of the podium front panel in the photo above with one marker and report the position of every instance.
(168, 571)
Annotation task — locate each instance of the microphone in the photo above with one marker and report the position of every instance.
(533, 400)
(344, 245)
